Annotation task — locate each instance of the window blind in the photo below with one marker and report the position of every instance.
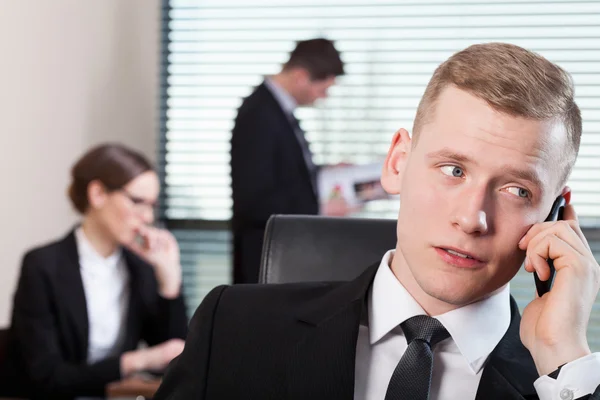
(216, 51)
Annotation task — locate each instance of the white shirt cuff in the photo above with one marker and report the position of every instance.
(575, 380)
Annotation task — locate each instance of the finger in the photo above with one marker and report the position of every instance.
(163, 241)
(551, 247)
(535, 229)
(171, 241)
(533, 232)
(144, 233)
(565, 232)
(537, 264)
(143, 230)
(569, 231)
(152, 238)
(169, 235)
(540, 267)
(528, 265)
(571, 215)
(136, 248)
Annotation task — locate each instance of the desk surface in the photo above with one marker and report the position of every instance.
(130, 387)
(134, 386)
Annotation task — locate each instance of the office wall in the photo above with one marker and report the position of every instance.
(73, 73)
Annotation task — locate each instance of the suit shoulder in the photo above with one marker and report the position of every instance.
(43, 255)
(259, 104)
(43, 251)
(271, 298)
(259, 93)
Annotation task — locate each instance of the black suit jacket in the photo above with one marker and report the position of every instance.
(269, 175)
(298, 342)
(49, 330)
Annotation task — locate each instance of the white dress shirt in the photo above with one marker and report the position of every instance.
(287, 103)
(475, 331)
(106, 288)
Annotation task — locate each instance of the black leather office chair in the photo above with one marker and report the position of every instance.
(300, 248)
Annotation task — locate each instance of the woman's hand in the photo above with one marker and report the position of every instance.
(159, 248)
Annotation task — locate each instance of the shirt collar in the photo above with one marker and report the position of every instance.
(87, 252)
(475, 328)
(285, 100)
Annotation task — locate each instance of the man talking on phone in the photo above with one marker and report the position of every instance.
(494, 140)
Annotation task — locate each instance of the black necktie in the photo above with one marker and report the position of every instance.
(412, 377)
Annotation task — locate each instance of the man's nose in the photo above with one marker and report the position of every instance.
(470, 215)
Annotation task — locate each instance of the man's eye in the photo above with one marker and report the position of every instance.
(520, 192)
(452, 170)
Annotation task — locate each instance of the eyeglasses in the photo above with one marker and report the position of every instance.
(138, 202)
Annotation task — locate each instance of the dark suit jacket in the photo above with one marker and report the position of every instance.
(298, 342)
(269, 176)
(49, 330)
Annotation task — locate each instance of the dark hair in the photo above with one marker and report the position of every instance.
(318, 56)
(111, 164)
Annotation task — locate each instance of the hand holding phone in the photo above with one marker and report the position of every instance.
(553, 326)
(556, 214)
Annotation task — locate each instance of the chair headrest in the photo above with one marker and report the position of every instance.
(302, 248)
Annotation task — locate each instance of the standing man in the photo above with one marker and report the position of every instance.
(272, 171)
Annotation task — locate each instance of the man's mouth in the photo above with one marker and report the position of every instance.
(459, 257)
(456, 253)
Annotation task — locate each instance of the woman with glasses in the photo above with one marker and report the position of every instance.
(85, 302)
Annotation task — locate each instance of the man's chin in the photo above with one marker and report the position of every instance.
(456, 294)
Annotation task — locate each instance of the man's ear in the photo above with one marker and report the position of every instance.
(395, 162)
(566, 193)
(301, 76)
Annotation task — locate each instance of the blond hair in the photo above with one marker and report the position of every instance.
(513, 81)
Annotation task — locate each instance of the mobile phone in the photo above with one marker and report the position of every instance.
(556, 214)
(141, 240)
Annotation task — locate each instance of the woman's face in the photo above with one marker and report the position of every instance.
(122, 212)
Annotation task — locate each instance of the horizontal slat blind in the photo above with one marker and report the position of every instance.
(205, 259)
(217, 50)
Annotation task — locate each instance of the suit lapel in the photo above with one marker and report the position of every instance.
(510, 371)
(70, 286)
(322, 362)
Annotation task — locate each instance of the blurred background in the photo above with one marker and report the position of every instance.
(73, 74)
(166, 77)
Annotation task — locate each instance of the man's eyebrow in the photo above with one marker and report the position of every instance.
(526, 175)
(449, 154)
